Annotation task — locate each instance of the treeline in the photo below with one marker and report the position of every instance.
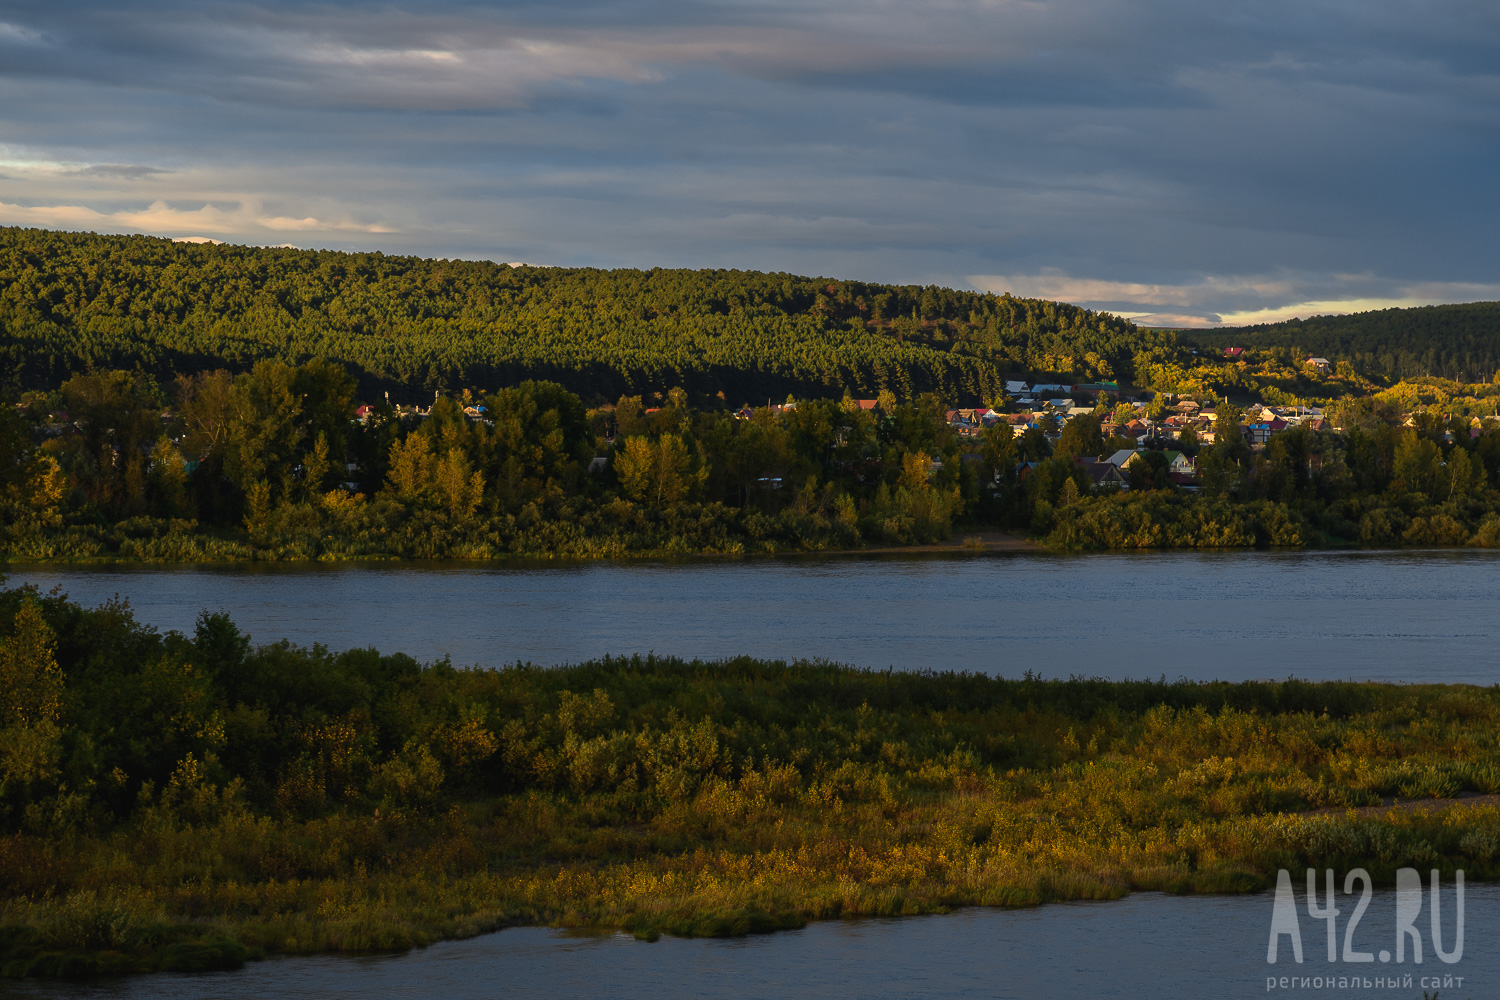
(1459, 342)
(1377, 483)
(272, 464)
(77, 302)
(190, 801)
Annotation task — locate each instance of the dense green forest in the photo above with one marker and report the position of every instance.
(1460, 342)
(181, 802)
(77, 302)
(271, 464)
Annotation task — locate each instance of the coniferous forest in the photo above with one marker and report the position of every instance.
(73, 302)
(1458, 342)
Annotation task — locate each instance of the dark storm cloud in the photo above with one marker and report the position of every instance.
(1163, 155)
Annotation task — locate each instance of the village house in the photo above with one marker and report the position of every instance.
(1181, 465)
(1259, 432)
(1103, 473)
(1178, 463)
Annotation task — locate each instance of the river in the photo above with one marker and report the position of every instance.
(1144, 947)
(1389, 616)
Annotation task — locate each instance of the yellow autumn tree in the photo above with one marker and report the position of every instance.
(31, 691)
(657, 472)
(38, 494)
(411, 467)
(317, 467)
(417, 472)
(459, 488)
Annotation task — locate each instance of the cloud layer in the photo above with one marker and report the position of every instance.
(1185, 162)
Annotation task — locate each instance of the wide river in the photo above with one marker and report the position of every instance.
(1404, 616)
(1409, 616)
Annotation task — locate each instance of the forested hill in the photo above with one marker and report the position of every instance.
(71, 302)
(1460, 342)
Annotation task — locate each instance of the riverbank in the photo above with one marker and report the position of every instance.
(205, 549)
(195, 802)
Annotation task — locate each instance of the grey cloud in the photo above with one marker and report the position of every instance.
(121, 171)
(1107, 54)
(1155, 142)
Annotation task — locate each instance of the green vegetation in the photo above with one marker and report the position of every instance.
(1378, 483)
(271, 465)
(1279, 376)
(189, 802)
(71, 303)
(179, 402)
(1455, 341)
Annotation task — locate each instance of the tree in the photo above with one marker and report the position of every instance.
(748, 451)
(1080, 438)
(997, 448)
(317, 469)
(265, 431)
(1046, 485)
(1418, 467)
(1068, 495)
(1151, 470)
(119, 421)
(657, 472)
(1281, 473)
(410, 467)
(31, 693)
(459, 488)
(32, 485)
(1221, 469)
(540, 441)
(1187, 441)
(168, 481)
(1033, 445)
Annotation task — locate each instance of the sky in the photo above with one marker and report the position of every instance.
(1181, 162)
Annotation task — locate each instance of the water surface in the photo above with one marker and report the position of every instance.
(1144, 946)
(1365, 615)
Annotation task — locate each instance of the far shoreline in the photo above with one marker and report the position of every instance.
(968, 544)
